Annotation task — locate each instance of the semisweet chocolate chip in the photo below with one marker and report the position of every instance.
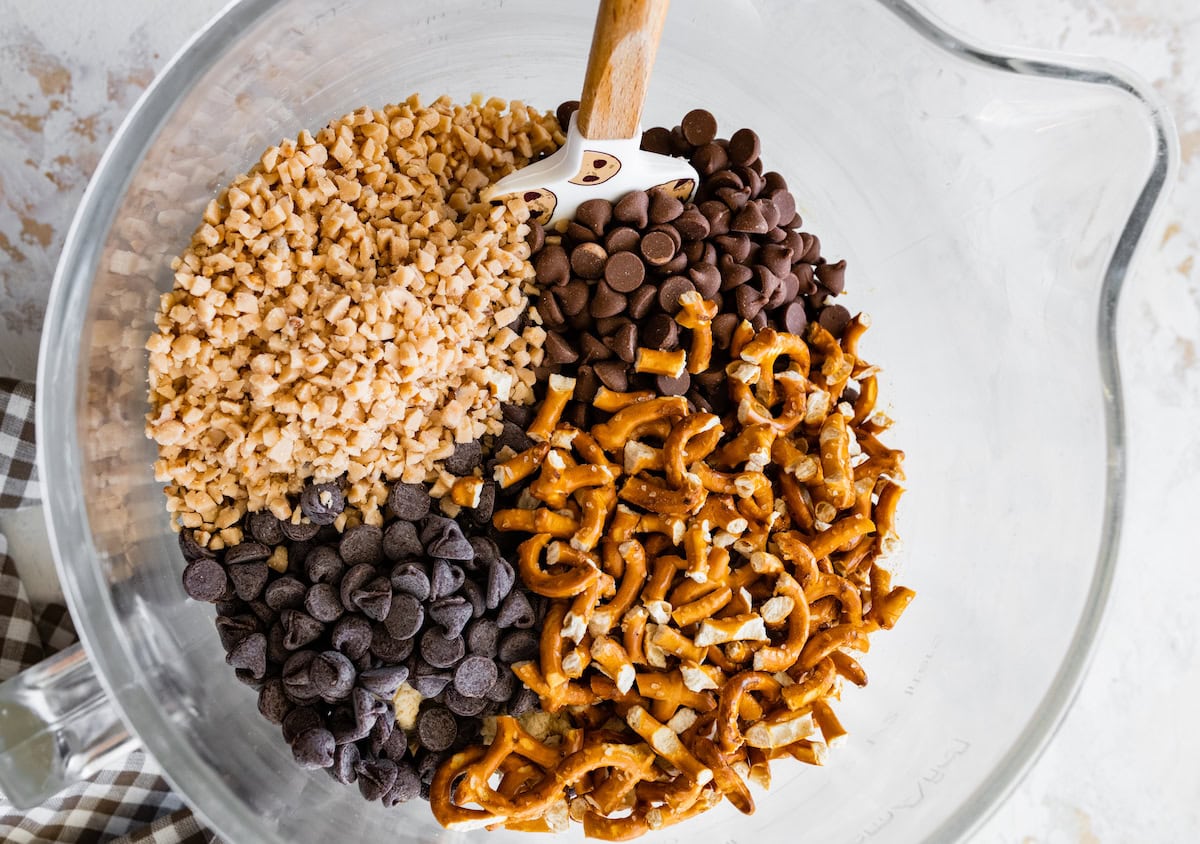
(812, 251)
(381, 733)
(641, 301)
(452, 614)
(409, 501)
(699, 127)
(516, 611)
(332, 674)
(374, 599)
(405, 616)
(691, 224)
(193, 550)
(834, 319)
(660, 332)
(552, 266)
(670, 291)
(564, 112)
(482, 636)
(613, 375)
(445, 578)
(322, 603)
(710, 158)
(574, 297)
(272, 703)
(750, 220)
(383, 681)
(606, 302)
(447, 542)
(550, 310)
(505, 685)
(246, 552)
(387, 647)
(299, 720)
(375, 778)
(558, 350)
(777, 258)
(624, 343)
(395, 747)
(296, 683)
(587, 260)
(361, 544)
(657, 139)
(668, 386)
(525, 700)
(749, 301)
(517, 646)
(592, 348)
(345, 762)
(412, 579)
(351, 635)
(431, 685)
(664, 207)
(314, 748)
(354, 579)
(322, 503)
(437, 728)
(621, 239)
(579, 233)
(265, 527)
(831, 276)
(501, 578)
(784, 202)
(474, 676)
(744, 147)
(473, 592)
(723, 326)
(735, 199)
(467, 457)
(440, 650)
(205, 580)
(231, 629)
(299, 629)
(706, 279)
(462, 705)
(324, 565)
(400, 541)
(276, 652)
(406, 787)
(624, 272)
(657, 248)
(595, 214)
(285, 593)
(250, 654)
(676, 265)
(248, 579)
(299, 531)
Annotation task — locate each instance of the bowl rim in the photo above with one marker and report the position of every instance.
(59, 368)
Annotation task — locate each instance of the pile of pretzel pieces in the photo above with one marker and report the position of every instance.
(708, 577)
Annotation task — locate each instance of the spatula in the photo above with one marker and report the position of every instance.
(601, 158)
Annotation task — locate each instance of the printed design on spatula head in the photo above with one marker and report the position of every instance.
(681, 189)
(541, 202)
(597, 168)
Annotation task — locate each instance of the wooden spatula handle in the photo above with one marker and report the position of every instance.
(619, 65)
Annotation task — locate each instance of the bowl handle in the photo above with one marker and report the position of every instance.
(57, 726)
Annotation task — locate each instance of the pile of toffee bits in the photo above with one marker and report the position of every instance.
(377, 650)
(611, 282)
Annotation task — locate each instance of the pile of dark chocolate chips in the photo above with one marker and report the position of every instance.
(611, 282)
(426, 600)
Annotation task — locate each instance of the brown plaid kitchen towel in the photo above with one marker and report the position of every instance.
(127, 803)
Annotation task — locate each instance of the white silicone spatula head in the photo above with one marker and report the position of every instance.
(601, 158)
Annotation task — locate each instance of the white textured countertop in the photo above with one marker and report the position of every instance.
(1124, 766)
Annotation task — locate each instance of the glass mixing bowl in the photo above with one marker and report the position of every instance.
(988, 207)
